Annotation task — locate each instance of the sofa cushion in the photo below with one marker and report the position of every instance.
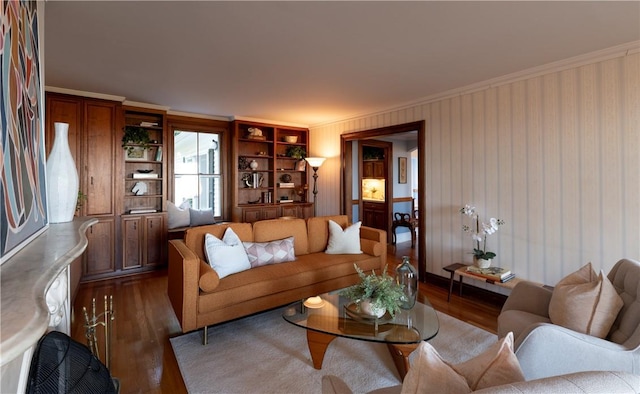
(227, 255)
(201, 217)
(265, 281)
(194, 237)
(274, 229)
(272, 252)
(345, 241)
(318, 231)
(585, 302)
(429, 373)
(178, 216)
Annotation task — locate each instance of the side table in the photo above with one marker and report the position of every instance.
(461, 270)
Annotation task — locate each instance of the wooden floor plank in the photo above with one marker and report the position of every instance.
(142, 357)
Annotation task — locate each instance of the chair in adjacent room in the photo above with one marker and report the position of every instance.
(408, 220)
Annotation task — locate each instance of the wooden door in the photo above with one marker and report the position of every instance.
(131, 242)
(99, 256)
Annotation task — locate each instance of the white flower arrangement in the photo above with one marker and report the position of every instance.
(479, 234)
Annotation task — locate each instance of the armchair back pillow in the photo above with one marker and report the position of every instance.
(585, 302)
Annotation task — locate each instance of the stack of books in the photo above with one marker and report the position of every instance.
(144, 176)
(285, 200)
(287, 185)
(148, 124)
(496, 274)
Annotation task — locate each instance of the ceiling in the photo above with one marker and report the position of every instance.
(313, 62)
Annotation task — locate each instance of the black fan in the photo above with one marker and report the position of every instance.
(62, 365)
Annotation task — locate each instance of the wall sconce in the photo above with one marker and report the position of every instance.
(315, 163)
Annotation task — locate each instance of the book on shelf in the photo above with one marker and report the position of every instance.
(495, 273)
(148, 124)
(144, 176)
(285, 201)
(287, 185)
(142, 210)
(159, 154)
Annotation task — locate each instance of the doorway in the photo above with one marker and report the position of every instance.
(349, 172)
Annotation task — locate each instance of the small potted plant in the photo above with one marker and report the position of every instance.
(375, 294)
(135, 137)
(297, 152)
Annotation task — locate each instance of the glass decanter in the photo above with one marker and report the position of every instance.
(407, 276)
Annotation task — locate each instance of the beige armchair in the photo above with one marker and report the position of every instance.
(545, 349)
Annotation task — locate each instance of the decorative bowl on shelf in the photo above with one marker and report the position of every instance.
(144, 171)
(290, 138)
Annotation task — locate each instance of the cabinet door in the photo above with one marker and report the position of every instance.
(251, 215)
(367, 169)
(290, 211)
(378, 169)
(131, 240)
(99, 256)
(154, 239)
(66, 110)
(99, 165)
(270, 213)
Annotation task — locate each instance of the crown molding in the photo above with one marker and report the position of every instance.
(82, 93)
(621, 50)
(199, 116)
(273, 122)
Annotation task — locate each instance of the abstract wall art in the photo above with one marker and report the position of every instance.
(23, 210)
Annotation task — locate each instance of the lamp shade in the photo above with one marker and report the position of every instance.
(315, 161)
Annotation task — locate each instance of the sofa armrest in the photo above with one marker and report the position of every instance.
(529, 297)
(547, 349)
(581, 382)
(183, 283)
(380, 238)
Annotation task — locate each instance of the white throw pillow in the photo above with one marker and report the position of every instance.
(345, 241)
(226, 256)
(178, 216)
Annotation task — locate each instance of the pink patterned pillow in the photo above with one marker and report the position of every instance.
(274, 252)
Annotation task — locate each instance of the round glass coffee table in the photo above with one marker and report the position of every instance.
(332, 316)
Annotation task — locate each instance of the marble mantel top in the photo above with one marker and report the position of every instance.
(25, 278)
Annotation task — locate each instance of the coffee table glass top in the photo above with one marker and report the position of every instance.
(332, 317)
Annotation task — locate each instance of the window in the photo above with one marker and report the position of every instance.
(197, 170)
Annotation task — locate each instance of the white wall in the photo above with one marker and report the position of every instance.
(557, 156)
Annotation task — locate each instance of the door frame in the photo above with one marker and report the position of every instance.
(346, 186)
(387, 147)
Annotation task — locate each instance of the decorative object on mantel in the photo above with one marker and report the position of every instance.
(255, 134)
(62, 178)
(482, 257)
(375, 294)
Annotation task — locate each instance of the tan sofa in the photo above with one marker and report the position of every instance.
(200, 298)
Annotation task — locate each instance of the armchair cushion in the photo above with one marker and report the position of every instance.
(495, 366)
(585, 302)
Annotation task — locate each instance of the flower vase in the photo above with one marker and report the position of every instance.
(407, 276)
(62, 178)
(368, 308)
(482, 263)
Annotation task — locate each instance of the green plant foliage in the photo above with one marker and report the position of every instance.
(296, 152)
(381, 290)
(135, 137)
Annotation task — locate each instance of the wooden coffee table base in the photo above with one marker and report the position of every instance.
(318, 343)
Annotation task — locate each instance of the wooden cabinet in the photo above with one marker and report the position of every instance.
(267, 172)
(92, 125)
(143, 240)
(131, 232)
(373, 169)
(99, 257)
(143, 223)
(374, 215)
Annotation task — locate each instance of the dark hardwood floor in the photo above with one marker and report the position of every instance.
(142, 357)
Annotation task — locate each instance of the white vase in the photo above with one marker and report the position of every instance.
(368, 308)
(62, 178)
(483, 263)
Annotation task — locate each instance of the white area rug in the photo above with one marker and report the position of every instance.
(265, 354)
